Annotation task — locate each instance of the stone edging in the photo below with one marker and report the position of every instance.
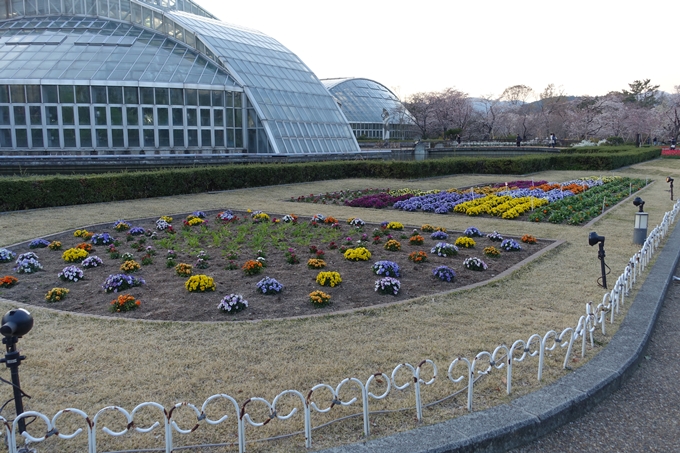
(529, 417)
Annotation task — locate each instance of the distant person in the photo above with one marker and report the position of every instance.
(519, 141)
(655, 141)
(553, 140)
(458, 139)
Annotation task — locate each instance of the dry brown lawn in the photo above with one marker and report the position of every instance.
(89, 363)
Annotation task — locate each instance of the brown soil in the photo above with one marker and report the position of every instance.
(164, 296)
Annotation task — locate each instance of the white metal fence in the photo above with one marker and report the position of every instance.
(404, 376)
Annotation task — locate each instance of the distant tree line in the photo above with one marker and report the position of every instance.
(619, 115)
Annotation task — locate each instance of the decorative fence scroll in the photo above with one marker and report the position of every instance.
(461, 370)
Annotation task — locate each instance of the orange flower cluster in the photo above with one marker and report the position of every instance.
(417, 257)
(529, 239)
(124, 302)
(85, 246)
(8, 281)
(252, 267)
(330, 220)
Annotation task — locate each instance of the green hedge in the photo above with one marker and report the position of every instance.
(40, 192)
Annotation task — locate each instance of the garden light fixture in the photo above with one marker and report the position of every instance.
(641, 221)
(594, 238)
(15, 324)
(669, 180)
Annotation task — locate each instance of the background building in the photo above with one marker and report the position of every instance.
(154, 76)
(366, 104)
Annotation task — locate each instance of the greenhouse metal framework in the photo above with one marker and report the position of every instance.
(373, 110)
(154, 77)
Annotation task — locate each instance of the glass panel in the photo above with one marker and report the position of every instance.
(218, 117)
(4, 115)
(100, 117)
(191, 97)
(219, 138)
(22, 138)
(116, 116)
(147, 95)
(52, 114)
(162, 96)
(66, 94)
(115, 95)
(229, 99)
(204, 97)
(238, 120)
(67, 116)
(133, 116)
(6, 138)
(149, 140)
(33, 94)
(84, 116)
(19, 115)
(36, 115)
(163, 138)
(238, 135)
(99, 95)
(133, 138)
(191, 117)
(37, 137)
(50, 94)
(162, 116)
(131, 95)
(69, 138)
(192, 135)
(102, 138)
(177, 117)
(206, 137)
(83, 94)
(117, 138)
(230, 117)
(53, 138)
(4, 94)
(17, 93)
(218, 98)
(205, 117)
(178, 138)
(147, 116)
(85, 138)
(176, 96)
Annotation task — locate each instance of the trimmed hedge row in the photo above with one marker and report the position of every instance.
(19, 193)
(601, 149)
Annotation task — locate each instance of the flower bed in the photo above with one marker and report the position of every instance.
(227, 245)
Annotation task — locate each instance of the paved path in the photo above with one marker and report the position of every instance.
(644, 415)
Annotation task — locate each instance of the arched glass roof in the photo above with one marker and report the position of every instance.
(363, 101)
(150, 45)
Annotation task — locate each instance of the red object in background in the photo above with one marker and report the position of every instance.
(670, 152)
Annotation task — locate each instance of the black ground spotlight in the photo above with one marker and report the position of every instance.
(669, 180)
(15, 324)
(594, 238)
(641, 221)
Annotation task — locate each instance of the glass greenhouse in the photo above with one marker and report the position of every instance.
(158, 77)
(369, 107)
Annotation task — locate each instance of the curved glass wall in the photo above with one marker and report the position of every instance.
(240, 90)
(366, 103)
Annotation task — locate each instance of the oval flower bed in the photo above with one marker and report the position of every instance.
(170, 252)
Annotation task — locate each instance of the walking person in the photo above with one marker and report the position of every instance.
(553, 140)
(519, 141)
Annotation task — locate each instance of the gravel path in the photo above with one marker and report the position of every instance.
(644, 415)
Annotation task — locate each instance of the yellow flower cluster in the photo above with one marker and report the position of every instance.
(166, 218)
(183, 269)
(492, 252)
(392, 245)
(261, 216)
(200, 283)
(465, 242)
(54, 245)
(505, 206)
(358, 254)
(192, 220)
(56, 294)
(315, 263)
(395, 226)
(427, 228)
(82, 234)
(331, 279)
(415, 192)
(130, 266)
(74, 255)
(319, 298)
(524, 205)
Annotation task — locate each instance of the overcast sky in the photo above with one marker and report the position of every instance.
(478, 47)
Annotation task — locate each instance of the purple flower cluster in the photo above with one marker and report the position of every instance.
(199, 214)
(510, 245)
(119, 282)
(388, 285)
(102, 239)
(386, 268)
(71, 274)
(520, 184)
(6, 255)
(378, 201)
(444, 273)
(439, 235)
(473, 232)
(232, 303)
(269, 286)
(39, 243)
(136, 231)
(439, 203)
(27, 263)
(92, 261)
